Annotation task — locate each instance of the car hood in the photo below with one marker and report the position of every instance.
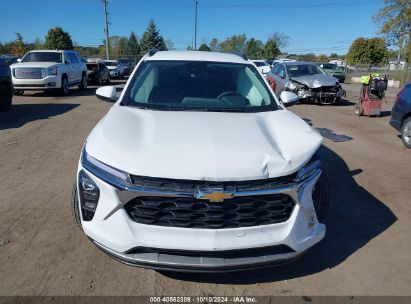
(316, 81)
(34, 64)
(203, 145)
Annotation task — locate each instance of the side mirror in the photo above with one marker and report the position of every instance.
(18, 60)
(288, 98)
(107, 93)
(66, 62)
(282, 75)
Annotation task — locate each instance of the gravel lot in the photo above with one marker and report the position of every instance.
(42, 252)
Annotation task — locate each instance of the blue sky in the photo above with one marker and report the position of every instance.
(321, 26)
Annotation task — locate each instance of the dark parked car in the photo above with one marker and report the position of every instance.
(97, 73)
(8, 59)
(6, 87)
(401, 115)
(334, 70)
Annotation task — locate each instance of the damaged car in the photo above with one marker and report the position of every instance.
(307, 80)
(199, 167)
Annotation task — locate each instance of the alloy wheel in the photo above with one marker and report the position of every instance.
(407, 132)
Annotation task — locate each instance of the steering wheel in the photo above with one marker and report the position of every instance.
(228, 93)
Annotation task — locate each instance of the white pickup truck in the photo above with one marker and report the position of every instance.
(49, 70)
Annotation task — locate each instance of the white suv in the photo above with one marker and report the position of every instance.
(49, 70)
(199, 167)
(115, 68)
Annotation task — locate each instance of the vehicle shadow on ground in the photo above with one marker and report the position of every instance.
(341, 103)
(344, 103)
(354, 218)
(385, 113)
(20, 114)
(73, 92)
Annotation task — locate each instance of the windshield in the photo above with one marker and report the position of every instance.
(43, 57)
(303, 70)
(330, 66)
(110, 63)
(202, 86)
(260, 63)
(92, 66)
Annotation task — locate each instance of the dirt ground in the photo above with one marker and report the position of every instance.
(42, 252)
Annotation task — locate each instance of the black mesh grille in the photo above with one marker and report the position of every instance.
(325, 89)
(195, 213)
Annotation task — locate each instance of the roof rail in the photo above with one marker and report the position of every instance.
(242, 55)
(152, 51)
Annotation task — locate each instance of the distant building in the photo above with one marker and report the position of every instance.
(338, 62)
(395, 65)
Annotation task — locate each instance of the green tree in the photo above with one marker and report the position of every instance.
(18, 46)
(271, 50)
(133, 47)
(170, 44)
(322, 58)
(37, 45)
(280, 39)
(334, 56)
(152, 39)
(234, 43)
(204, 47)
(395, 19)
(254, 49)
(367, 51)
(214, 45)
(58, 39)
(308, 57)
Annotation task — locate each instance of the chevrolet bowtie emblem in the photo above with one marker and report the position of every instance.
(214, 196)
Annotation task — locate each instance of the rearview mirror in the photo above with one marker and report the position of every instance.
(107, 93)
(288, 98)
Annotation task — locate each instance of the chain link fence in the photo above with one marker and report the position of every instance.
(393, 72)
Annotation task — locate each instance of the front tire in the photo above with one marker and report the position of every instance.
(83, 84)
(359, 110)
(6, 97)
(321, 197)
(406, 133)
(64, 90)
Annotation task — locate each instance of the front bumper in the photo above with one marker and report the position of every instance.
(322, 97)
(201, 250)
(114, 74)
(46, 83)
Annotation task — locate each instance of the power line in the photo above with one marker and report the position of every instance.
(292, 5)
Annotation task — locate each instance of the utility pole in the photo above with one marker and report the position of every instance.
(195, 29)
(106, 30)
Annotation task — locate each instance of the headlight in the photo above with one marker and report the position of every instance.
(89, 195)
(105, 172)
(290, 85)
(52, 71)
